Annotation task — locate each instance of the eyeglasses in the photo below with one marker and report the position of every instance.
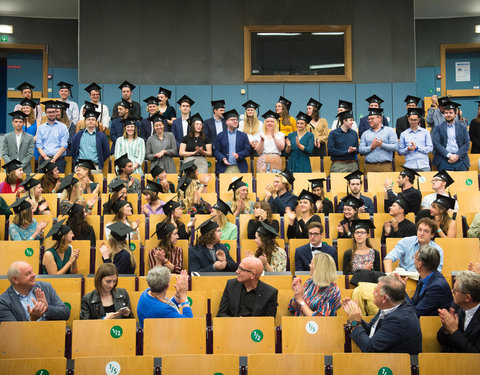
(437, 180)
(314, 234)
(241, 269)
(361, 232)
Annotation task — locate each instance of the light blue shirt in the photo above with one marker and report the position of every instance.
(383, 153)
(232, 140)
(218, 125)
(27, 301)
(88, 146)
(50, 137)
(72, 112)
(405, 251)
(417, 159)
(452, 146)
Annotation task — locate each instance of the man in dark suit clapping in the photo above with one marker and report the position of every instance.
(305, 253)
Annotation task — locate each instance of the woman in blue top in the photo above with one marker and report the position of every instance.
(24, 227)
(30, 127)
(153, 303)
(300, 146)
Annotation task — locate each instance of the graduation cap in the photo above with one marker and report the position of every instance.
(156, 170)
(185, 98)
(64, 85)
(236, 184)
(129, 121)
(414, 111)
(85, 163)
(314, 103)
(287, 103)
(317, 182)
(91, 114)
(355, 175)
(125, 104)
(271, 114)
(46, 166)
(152, 100)
(375, 111)
(122, 161)
(62, 105)
(443, 174)
(345, 104)
(20, 204)
(29, 102)
(49, 104)
(183, 183)
(452, 105)
(305, 194)
(76, 208)
(352, 201)
(156, 117)
(120, 230)
(412, 99)
(362, 224)
(131, 86)
(170, 206)
(303, 116)
(374, 99)
(12, 165)
(402, 202)
(344, 115)
(410, 173)
(229, 114)
(267, 231)
(163, 229)
(195, 117)
(117, 185)
(443, 100)
(164, 91)
(188, 166)
(30, 183)
(216, 104)
(25, 85)
(477, 101)
(114, 206)
(288, 175)
(58, 230)
(222, 207)
(250, 104)
(445, 201)
(67, 181)
(92, 86)
(153, 186)
(89, 106)
(207, 226)
(18, 115)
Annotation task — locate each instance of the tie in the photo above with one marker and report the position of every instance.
(461, 322)
(418, 291)
(316, 248)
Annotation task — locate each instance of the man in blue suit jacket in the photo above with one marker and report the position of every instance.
(451, 142)
(180, 125)
(394, 329)
(217, 124)
(229, 158)
(305, 253)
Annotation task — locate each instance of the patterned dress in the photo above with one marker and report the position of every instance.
(323, 301)
(279, 260)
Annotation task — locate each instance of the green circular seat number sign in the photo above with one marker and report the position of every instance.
(209, 164)
(28, 251)
(132, 246)
(227, 245)
(256, 335)
(42, 372)
(190, 301)
(116, 332)
(385, 371)
(468, 182)
(68, 305)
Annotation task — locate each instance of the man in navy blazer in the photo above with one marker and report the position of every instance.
(231, 159)
(394, 329)
(451, 142)
(305, 253)
(30, 300)
(217, 124)
(180, 125)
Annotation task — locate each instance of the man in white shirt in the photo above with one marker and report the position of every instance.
(94, 90)
(180, 125)
(65, 91)
(440, 182)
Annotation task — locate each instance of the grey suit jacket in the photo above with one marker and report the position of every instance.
(24, 154)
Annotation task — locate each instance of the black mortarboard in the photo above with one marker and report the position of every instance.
(410, 173)
(12, 165)
(151, 100)
(115, 206)
(117, 185)
(443, 174)
(250, 104)
(352, 201)
(414, 111)
(271, 114)
(374, 99)
(183, 183)
(412, 99)
(29, 102)
(375, 111)
(30, 182)
(46, 166)
(452, 105)
(314, 103)
(125, 104)
(89, 106)
(305, 194)
(85, 163)
(120, 230)
(58, 230)
(185, 98)
(170, 205)
(445, 201)
(156, 117)
(207, 226)
(92, 86)
(236, 184)
(267, 231)
(222, 207)
(477, 101)
(344, 115)
(288, 175)
(188, 166)
(216, 104)
(74, 209)
(287, 103)
(64, 85)
(362, 224)
(67, 182)
(230, 113)
(25, 85)
(20, 204)
(402, 202)
(131, 86)
(156, 170)
(355, 175)
(122, 161)
(163, 229)
(129, 121)
(153, 186)
(345, 104)
(50, 104)
(303, 116)
(18, 115)
(164, 91)
(193, 118)
(91, 114)
(62, 105)
(317, 182)
(443, 100)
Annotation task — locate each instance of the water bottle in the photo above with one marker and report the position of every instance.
(268, 167)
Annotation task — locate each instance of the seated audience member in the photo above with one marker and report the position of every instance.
(174, 212)
(71, 193)
(405, 181)
(362, 256)
(432, 292)
(159, 175)
(29, 300)
(62, 258)
(398, 226)
(263, 213)
(132, 145)
(106, 301)
(460, 331)
(299, 146)
(154, 304)
(320, 295)
(269, 144)
(305, 214)
(440, 182)
(13, 178)
(161, 146)
(51, 177)
(241, 203)
(118, 250)
(354, 184)
(123, 210)
(118, 190)
(406, 248)
(305, 253)
(192, 188)
(208, 254)
(24, 227)
(84, 169)
(167, 253)
(474, 229)
(195, 145)
(77, 222)
(219, 214)
(4, 210)
(351, 206)
(273, 257)
(19, 144)
(247, 295)
(322, 204)
(154, 204)
(124, 169)
(394, 329)
(447, 227)
(33, 191)
(279, 194)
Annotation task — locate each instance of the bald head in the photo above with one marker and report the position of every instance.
(254, 264)
(15, 269)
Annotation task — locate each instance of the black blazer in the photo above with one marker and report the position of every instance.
(461, 341)
(265, 300)
(200, 260)
(210, 129)
(92, 307)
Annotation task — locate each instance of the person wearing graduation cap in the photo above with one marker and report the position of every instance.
(61, 259)
(94, 90)
(118, 250)
(402, 122)
(161, 146)
(145, 126)
(273, 257)
(398, 226)
(299, 146)
(269, 144)
(354, 186)
(132, 145)
(83, 169)
(127, 89)
(447, 227)
(435, 114)
(122, 210)
(262, 212)
(240, 203)
(180, 125)
(279, 194)
(174, 212)
(166, 110)
(159, 175)
(13, 178)
(90, 108)
(195, 145)
(190, 170)
(190, 190)
(26, 89)
(166, 253)
(52, 138)
(405, 181)
(31, 124)
(318, 126)
(91, 143)
(343, 145)
(117, 125)
(451, 142)
(474, 131)
(440, 182)
(82, 231)
(303, 216)
(33, 191)
(343, 106)
(219, 214)
(215, 125)
(286, 123)
(250, 124)
(18, 144)
(322, 204)
(351, 206)
(63, 118)
(415, 143)
(65, 91)
(71, 192)
(373, 102)
(24, 227)
(154, 205)
(208, 254)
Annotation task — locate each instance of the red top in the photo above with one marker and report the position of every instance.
(7, 189)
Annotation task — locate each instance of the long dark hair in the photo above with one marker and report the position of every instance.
(191, 130)
(77, 223)
(48, 182)
(269, 246)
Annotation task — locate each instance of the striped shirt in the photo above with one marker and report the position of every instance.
(135, 150)
(323, 301)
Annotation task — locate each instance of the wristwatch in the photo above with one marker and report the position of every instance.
(302, 304)
(353, 323)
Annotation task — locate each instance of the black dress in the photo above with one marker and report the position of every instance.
(299, 227)
(327, 207)
(87, 234)
(253, 226)
(182, 232)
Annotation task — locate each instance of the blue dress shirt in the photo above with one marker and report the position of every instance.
(452, 146)
(232, 140)
(380, 154)
(417, 159)
(88, 146)
(50, 137)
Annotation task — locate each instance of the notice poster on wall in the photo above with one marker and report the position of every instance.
(462, 71)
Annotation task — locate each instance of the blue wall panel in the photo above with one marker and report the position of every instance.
(201, 95)
(330, 93)
(365, 90)
(426, 81)
(299, 95)
(399, 92)
(266, 95)
(69, 75)
(232, 96)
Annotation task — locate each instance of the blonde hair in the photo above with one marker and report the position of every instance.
(251, 125)
(189, 194)
(221, 219)
(68, 193)
(118, 246)
(64, 118)
(23, 217)
(235, 201)
(325, 271)
(288, 186)
(276, 128)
